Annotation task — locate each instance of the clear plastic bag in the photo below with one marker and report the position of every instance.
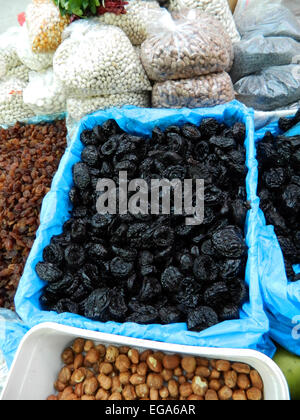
(218, 8)
(21, 72)
(45, 94)
(12, 107)
(271, 89)
(34, 61)
(78, 108)
(254, 54)
(45, 25)
(199, 18)
(8, 55)
(134, 22)
(183, 49)
(204, 91)
(267, 18)
(96, 60)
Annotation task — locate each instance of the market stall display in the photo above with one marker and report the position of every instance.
(29, 156)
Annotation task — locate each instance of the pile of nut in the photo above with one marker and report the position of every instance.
(203, 91)
(95, 372)
(29, 157)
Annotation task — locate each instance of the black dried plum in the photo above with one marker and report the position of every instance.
(65, 306)
(96, 251)
(229, 242)
(186, 262)
(48, 272)
(205, 269)
(100, 222)
(191, 132)
(146, 258)
(118, 308)
(216, 295)
(231, 269)
(120, 268)
(209, 127)
(224, 143)
(171, 279)
(145, 315)
(74, 255)
(90, 276)
(151, 288)
(202, 318)
(275, 178)
(90, 156)
(53, 254)
(88, 138)
(78, 230)
(239, 210)
(81, 175)
(238, 291)
(96, 306)
(109, 148)
(111, 128)
(163, 237)
(170, 315)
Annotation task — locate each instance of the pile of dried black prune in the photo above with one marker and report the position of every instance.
(154, 268)
(279, 190)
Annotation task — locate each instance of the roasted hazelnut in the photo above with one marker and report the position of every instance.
(88, 345)
(67, 356)
(154, 364)
(104, 381)
(134, 356)
(154, 380)
(129, 393)
(189, 364)
(111, 354)
(90, 386)
(78, 345)
(64, 375)
(122, 363)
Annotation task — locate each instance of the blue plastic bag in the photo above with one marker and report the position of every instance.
(281, 297)
(250, 331)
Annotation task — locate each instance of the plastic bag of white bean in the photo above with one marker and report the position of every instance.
(12, 107)
(21, 72)
(183, 49)
(134, 22)
(218, 8)
(45, 25)
(99, 60)
(8, 55)
(78, 108)
(204, 91)
(45, 94)
(34, 61)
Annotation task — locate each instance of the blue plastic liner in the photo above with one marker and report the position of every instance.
(281, 297)
(250, 331)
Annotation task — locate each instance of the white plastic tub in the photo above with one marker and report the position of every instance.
(38, 361)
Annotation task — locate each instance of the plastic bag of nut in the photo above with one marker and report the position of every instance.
(8, 55)
(98, 60)
(218, 8)
(45, 94)
(79, 107)
(12, 107)
(199, 18)
(134, 22)
(182, 49)
(204, 91)
(34, 61)
(45, 25)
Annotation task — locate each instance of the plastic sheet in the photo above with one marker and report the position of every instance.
(250, 331)
(282, 298)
